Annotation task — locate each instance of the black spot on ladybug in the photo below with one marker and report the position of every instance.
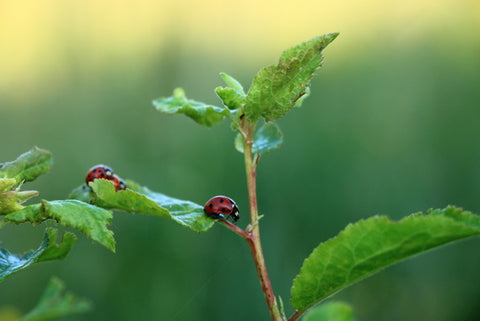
(210, 205)
(222, 200)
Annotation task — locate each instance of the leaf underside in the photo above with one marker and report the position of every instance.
(330, 311)
(370, 245)
(203, 114)
(266, 138)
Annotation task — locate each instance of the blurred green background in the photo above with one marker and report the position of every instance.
(391, 127)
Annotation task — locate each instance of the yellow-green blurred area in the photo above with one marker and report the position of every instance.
(392, 127)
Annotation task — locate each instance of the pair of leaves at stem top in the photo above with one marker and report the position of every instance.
(275, 90)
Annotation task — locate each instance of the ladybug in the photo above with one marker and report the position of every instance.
(118, 183)
(99, 171)
(221, 207)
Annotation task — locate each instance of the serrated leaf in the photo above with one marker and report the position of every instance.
(56, 303)
(27, 166)
(127, 200)
(278, 88)
(331, 311)
(204, 114)
(370, 245)
(88, 219)
(48, 250)
(142, 200)
(186, 213)
(56, 251)
(266, 138)
(91, 220)
(233, 83)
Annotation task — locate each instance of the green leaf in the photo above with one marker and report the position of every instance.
(370, 245)
(56, 251)
(32, 213)
(88, 219)
(266, 138)
(278, 88)
(141, 200)
(230, 97)
(207, 115)
(56, 303)
(233, 83)
(48, 250)
(27, 166)
(127, 200)
(331, 311)
(186, 213)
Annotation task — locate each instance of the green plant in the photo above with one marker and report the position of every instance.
(363, 248)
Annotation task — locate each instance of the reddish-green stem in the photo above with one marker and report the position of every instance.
(252, 234)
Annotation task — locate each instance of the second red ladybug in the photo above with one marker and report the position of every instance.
(98, 171)
(105, 172)
(221, 207)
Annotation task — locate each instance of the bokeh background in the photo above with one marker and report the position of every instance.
(391, 127)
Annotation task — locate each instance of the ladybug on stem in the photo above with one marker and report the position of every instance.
(221, 207)
(105, 172)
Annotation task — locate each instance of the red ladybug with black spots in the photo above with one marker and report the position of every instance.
(221, 207)
(99, 171)
(105, 172)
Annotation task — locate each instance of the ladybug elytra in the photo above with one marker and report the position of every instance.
(221, 207)
(105, 172)
(99, 171)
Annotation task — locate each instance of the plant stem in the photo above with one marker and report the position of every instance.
(253, 231)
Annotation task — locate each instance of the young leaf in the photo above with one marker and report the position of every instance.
(88, 219)
(278, 88)
(370, 245)
(56, 303)
(266, 138)
(230, 97)
(27, 166)
(207, 115)
(233, 83)
(10, 201)
(331, 311)
(48, 250)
